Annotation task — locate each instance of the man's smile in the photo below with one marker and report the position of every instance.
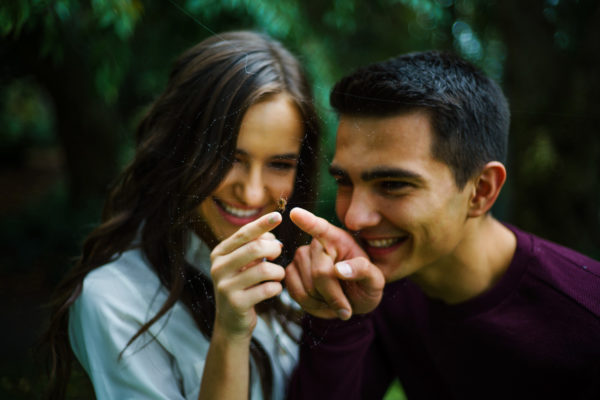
(380, 246)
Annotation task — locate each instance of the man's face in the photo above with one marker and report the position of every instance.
(403, 204)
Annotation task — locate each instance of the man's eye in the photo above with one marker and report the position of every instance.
(393, 186)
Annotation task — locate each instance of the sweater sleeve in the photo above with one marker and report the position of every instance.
(339, 360)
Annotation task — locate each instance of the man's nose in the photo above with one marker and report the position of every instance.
(362, 212)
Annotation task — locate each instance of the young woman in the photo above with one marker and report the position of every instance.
(168, 297)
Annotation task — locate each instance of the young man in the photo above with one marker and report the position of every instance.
(472, 308)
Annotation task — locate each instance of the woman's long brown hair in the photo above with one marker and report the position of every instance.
(184, 148)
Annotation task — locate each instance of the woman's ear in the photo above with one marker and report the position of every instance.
(487, 188)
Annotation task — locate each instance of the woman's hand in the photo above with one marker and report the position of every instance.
(243, 276)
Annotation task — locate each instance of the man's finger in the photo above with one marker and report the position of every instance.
(318, 228)
(333, 295)
(296, 290)
(326, 282)
(302, 262)
(361, 269)
(364, 283)
(308, 222)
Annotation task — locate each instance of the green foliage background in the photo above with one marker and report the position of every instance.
(76, 75)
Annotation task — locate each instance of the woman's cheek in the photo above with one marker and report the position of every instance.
(283, 186)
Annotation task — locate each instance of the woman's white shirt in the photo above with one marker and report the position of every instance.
(119, 297)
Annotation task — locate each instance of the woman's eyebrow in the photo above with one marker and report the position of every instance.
(286, 156)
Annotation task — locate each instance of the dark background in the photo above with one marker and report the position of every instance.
(76, 75)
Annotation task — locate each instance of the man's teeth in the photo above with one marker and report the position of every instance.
(382, 242)
(238, 212)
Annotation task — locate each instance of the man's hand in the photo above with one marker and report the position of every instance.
(332, 277)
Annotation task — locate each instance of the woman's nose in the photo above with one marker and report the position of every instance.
(252, 188)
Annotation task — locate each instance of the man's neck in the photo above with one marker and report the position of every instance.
(481, 258)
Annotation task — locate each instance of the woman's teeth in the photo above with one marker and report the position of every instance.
(381, 243)
(238, 212)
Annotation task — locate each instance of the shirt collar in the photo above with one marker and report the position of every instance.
(198, 254)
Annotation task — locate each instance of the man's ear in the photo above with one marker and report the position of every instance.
(487, 188)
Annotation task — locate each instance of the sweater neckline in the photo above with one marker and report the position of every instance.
(499, 292)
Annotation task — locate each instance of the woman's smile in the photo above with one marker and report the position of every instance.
(238, 214)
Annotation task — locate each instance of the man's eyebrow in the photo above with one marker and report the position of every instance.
(384, 173)
(377, 173)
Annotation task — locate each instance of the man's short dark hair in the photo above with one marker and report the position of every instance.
(468, 111)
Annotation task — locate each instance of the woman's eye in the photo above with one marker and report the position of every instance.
(342, 181)
(282, 165)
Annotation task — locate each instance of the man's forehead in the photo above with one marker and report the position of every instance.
(366, 143)
(382, 129)
(364, 163)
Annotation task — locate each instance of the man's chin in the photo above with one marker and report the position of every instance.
(390, 273)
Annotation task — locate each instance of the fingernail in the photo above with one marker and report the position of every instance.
(344, 268)
(274, 218)
(280, 242)
(343, 314)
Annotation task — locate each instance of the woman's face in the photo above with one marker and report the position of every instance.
(268, 147)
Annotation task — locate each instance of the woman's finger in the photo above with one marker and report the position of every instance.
(237, 290)
(261, 292)
(261, 272)
(244, 257)
(247, 233)
(267, 236)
